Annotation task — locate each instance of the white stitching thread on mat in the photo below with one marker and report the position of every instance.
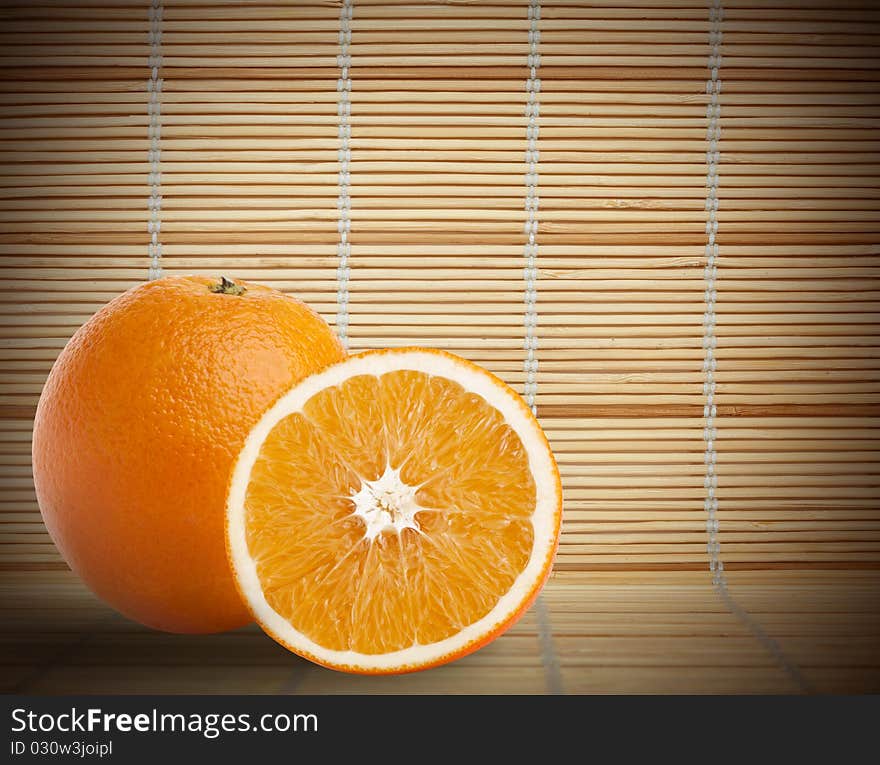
(343, 203)
(710, 274)
(713, 131)
(530, 275)
(552, 673)
(154, 131)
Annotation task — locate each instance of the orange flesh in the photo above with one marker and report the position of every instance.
(315, 563)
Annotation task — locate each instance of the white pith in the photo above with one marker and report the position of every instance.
(544, 519)
(386, 504)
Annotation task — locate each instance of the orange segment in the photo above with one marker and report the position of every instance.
(350, 416)
(381, 510)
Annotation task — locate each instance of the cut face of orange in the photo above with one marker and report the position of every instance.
(394, 512)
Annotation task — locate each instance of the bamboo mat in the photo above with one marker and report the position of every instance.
(631, 632)
(249, 184)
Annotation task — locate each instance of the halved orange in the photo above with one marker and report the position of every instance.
(396, 511)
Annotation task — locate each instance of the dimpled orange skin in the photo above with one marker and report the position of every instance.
(137, 430)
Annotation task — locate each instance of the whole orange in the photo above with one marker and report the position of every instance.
(137, 428)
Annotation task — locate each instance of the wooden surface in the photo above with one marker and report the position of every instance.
(438, 142)
(633, 632)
